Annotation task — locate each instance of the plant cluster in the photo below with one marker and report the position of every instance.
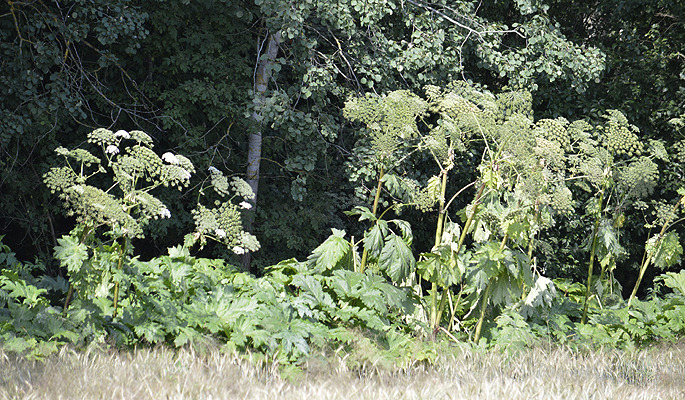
(179, 299)
(484, 277)
(490, 256)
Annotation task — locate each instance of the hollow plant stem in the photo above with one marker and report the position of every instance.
(486, 298)
(593, 250)
(484, 304)
(462, 237)
(70, 293)
(435, 314)
(469, 221)
(531, 242)
(365, 253)
(120, 263)
(647, 259)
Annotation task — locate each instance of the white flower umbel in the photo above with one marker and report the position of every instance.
(112, 149)
(122, 134)
(170, 158)
(238, 250)
(245, 205)
(165, 213)
(214, 170)
(220, 233)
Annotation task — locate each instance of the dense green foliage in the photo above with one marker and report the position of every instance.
(499, 172)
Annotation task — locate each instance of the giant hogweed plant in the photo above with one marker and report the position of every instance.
(112, 197)
(461, 114)
(393, 131)
(618, 171)
(180, 299)
(664, 249)
(525, 179)
(529, 179)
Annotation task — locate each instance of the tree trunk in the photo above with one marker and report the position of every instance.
(254, 147)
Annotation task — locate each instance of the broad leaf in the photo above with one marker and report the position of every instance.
(405, 227)
(312, 288)
(396, 259)
(675, 281)
(668, 250)
(375, 237)
(363, 212)
(329, 253)
(397, 187)
(541, 295)
(71, 253)
(346, 283)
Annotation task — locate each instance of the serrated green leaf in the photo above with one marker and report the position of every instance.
(396, 259)
(375, 237)
(675, 281)
(434, 186)
(312, 287)
(363, 212)
(405, 228)
(71, 253)
(668, 251)
(444, 268)
(397, 187)
(178, 252)
(331, 252)
(542, 294)
(346, 283)
(395, 297)
(372, 298)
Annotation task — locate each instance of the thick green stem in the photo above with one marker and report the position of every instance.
(469, 221)
(531, 242)
(647, 259)
(434, 307)
(122, 250)
(484, 305)
(486, 298)
(643, 268)
(441, 214)
(593, 250)
(66, 302)
(454, 307)
(365, 253)
(436, 314)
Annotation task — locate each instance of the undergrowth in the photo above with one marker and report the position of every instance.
(294, 311)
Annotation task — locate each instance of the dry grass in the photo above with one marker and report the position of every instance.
(657, 373)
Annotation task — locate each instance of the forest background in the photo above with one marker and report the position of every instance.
(257, 91)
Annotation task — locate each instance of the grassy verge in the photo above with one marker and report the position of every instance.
(161, 373)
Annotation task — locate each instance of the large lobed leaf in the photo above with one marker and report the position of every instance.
(332, 252)
(397, 259)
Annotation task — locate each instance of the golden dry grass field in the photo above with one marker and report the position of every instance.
(161, 373)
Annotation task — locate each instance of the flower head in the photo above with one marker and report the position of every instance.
(170, 158)
(165, 213)
(245, 205)
(238, 250)
(220, 232)
(122, 133)
(214, 170)
(112, 149)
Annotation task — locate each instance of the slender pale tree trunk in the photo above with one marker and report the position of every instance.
(254, 147)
